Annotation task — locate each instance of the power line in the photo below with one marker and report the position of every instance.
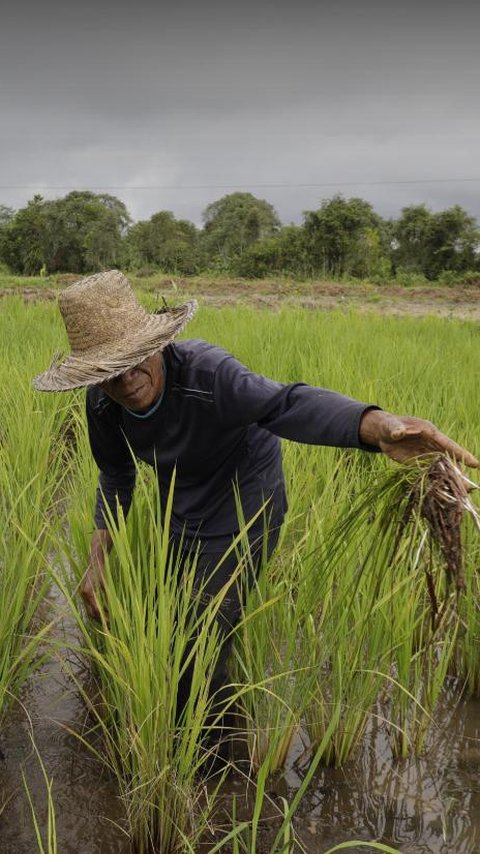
(272, 185)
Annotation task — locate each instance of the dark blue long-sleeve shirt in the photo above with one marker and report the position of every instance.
(219, 425)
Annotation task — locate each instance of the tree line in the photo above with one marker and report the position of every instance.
(241, 235)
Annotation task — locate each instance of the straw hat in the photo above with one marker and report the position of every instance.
(109, 332)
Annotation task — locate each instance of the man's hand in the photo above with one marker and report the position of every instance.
(403, 438)
(94, 579)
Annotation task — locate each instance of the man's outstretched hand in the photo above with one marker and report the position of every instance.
(402, 438)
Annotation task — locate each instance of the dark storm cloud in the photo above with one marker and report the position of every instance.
(241, 95)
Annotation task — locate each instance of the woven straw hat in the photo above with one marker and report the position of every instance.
(109, 332)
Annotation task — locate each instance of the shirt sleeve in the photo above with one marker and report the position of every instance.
(300, 412)
(114, 460)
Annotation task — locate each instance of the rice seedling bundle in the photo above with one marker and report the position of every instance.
(441, 497)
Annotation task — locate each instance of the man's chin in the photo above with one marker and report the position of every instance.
(136, 401)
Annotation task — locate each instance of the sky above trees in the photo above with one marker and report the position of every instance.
(171, 106)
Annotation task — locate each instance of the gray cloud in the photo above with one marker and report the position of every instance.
(204, 95)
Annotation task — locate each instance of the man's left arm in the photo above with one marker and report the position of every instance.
(319, 416)
(302, 413)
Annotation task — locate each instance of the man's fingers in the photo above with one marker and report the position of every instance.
(416, 440)
(461, 455)
(440, 442)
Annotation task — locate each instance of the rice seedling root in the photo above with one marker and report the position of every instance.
(441, 498)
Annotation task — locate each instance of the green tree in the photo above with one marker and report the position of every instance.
(232, 224)
(6, 214)
(410, 239)
(24, 238)
(123, 219)
(345, 236)
(372, 253)
(431, 243)
(163, 242)
(79, 233)
(84, 232)
(285, 253)
(454, 240)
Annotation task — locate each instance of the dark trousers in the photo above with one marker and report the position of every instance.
(209, 582)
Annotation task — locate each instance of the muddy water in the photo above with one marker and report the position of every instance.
(89, 814)
(422, 805)
(418, 806)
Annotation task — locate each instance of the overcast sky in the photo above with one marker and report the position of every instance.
(173, 105)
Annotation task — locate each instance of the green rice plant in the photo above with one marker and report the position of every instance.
(333, 608)
(421, 655)
(274, 650)
(425, 630)
(285, 841)
(353, 620)
(152, 633)
(268, 660)
(344, 633)
(22, 587)
(268, 665)
(51, 846)
(31, 474)
(326, 676)
(245, 832)
(466, 662)
(377, 624)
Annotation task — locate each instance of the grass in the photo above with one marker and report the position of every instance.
(339, 625)
(32, 466)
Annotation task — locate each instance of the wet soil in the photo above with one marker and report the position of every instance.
(89, 814)
(429, 805)
(30, 294)
(462, 302)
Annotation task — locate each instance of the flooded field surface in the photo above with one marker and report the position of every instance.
(87, 806)
(429, 805)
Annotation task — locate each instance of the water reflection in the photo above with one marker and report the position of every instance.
(421, 806)
(88, 811)
(431, 804)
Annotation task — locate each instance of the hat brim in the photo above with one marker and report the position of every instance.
(100, 364)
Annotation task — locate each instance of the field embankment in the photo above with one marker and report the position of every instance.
(458, 301)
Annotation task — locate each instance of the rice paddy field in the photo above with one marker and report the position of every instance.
(356, 666)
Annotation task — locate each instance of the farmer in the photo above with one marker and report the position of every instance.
(193, 407)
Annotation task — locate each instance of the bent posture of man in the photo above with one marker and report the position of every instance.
(192, 407)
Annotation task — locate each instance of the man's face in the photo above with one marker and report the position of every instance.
(138, 388)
